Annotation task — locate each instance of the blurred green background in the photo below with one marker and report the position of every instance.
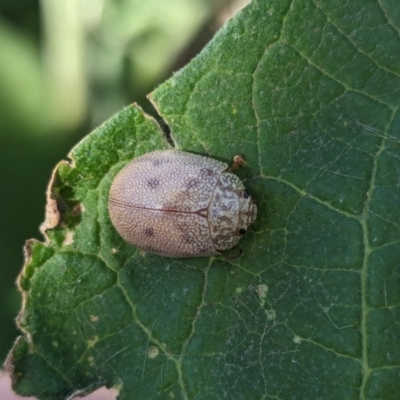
(65, 67)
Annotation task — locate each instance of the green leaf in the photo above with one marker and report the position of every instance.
(308, 91)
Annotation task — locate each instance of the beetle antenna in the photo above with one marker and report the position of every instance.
(238, 161)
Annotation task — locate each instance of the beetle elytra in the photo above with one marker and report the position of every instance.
(179, 204)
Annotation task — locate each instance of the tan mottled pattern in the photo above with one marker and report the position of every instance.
(161, 203)
(165, 233)
(224, 211)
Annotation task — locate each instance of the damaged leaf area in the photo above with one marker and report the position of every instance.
(74, 276)
(309, 92)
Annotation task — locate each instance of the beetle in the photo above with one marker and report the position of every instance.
(178, 204)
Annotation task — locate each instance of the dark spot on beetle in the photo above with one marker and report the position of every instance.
(242, 231)
(149, 232)
(153, 183)
(188, 239)
(160, 161)
(206, 172)
(245, 194)
(192, 183)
